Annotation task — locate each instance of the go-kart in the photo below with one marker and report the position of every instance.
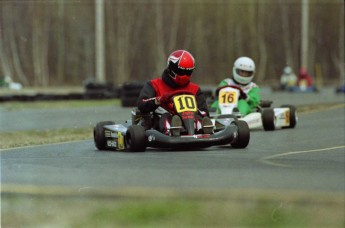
(132, 136)
(264, 117)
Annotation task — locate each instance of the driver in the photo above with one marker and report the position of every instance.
(176, 77)
(243, 74)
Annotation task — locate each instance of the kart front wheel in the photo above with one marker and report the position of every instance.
(99, 136)
(135, 138)
(268, 119)
(243, 136)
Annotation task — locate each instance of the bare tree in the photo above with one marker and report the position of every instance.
(45, 43)
(200, 43)
(128, 21)
(166, 31)
(60, 41)
(286, 32)
(40, 38)
(262, 46)
(340, 61)
(341, 46)
(160, 41)
(10, 16)
(5, 69)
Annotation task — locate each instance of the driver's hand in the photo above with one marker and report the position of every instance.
(243, 95)
(157, 100)
(164, 99)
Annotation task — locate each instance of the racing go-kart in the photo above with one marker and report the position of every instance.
(264, 117)
(132, 136)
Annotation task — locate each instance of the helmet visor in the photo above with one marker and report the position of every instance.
(244, 73)
(179, 71)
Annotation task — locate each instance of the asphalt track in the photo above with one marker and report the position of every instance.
(310, 157)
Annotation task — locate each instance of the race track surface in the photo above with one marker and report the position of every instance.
(310, 157)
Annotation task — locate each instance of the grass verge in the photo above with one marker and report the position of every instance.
(39, 137)
(233, 209)
(13, 106)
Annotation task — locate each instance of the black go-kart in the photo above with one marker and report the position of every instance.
(132, 136)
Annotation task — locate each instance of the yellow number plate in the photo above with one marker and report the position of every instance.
(227, 97)
(184, 103)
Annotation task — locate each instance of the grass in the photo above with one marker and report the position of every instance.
(14, 106)
(39, 137)
(230, 209)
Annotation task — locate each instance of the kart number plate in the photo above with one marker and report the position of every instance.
(227, 97)
(185, 103)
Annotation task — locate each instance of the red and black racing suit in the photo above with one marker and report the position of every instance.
(159, 86)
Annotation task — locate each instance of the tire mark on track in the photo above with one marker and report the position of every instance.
(267, 160)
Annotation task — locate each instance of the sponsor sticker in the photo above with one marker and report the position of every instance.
(120, 140)
(107, 133)
(235, 135)
(111, 143)
(151, 138)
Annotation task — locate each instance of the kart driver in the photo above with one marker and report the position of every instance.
(243, 74)
(176, 77)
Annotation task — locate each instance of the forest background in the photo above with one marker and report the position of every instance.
(53, 42)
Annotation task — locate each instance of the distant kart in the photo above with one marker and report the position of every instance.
(265, 117)
(132, 136)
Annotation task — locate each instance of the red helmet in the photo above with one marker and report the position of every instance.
(181, 64)
(303, 72)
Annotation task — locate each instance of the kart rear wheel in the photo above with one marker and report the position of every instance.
(243, 134)
(268, 119)
(135, 138)
(98, 134)
(293, 115)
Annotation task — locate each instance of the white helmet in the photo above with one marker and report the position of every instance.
(245, 64)
(287, 70)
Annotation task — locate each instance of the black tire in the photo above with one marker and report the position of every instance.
(133, 85)
(268, 119)
(293, 115)
(208, 93)
(130, 92)
(243, 134)
(98, 134)
(266, 103)
(135, 138)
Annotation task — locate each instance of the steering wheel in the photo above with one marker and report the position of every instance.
(169, 96)
(231, 86)
(242, 93)
(236, 87)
